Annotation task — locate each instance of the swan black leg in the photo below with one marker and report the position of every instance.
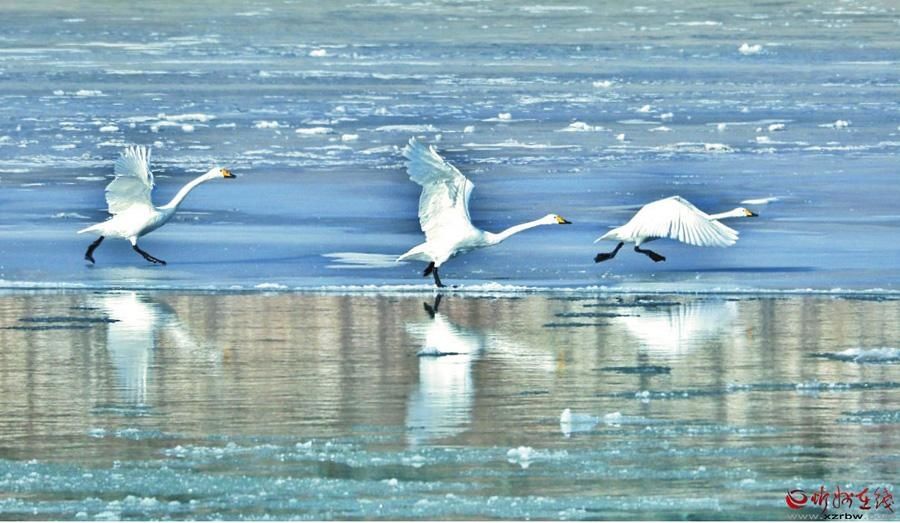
(652, 255)
(89, 255)
(428, 269)
(147, 256)
(437, 278)
(603, 256)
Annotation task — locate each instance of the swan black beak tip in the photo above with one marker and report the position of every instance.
(228, 174)
(562, 221)
(752, 215)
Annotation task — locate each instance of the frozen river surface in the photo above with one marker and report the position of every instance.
(581, 110)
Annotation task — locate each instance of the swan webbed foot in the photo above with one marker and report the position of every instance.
(89, 255)
(147, 256)
(603, 256)
(650, 254)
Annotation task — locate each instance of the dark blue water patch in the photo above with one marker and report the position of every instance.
(572, 324)
(533, 393)
(639, 369)
(812, 387)
(591, 315)
(873, 356)
(643, 305)
(47, 327)
(66, 319)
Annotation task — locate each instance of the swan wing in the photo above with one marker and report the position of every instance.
(133, 182)
(444, 203)
(679, 219)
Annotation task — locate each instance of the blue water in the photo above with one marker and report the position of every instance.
(309, 105)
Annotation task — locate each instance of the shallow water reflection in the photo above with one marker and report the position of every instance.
(135, 405)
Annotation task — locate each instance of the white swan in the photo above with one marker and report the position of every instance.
(674, 218)
(128, 197)
(444, 211)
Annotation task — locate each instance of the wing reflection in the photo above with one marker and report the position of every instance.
(132, 341)
(676, 329)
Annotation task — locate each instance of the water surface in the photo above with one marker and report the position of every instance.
(173, 405)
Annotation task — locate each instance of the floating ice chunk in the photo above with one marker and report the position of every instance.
(312, 131)
(603, 83)
(747, 49)
(59, 92)
(776, 127)
(264, 124)
(521, 456)
(349, 137)
(68, 215)
(188, 128)
(721, 127)
(581, 127)
(763, 139)
(187, 117)
(88, 92)
(504, 116)
(570, 423)
(660, 129)
(620, 137)
(875, 355)
(469, 129)
(270, 286)
(760, 201)
(361, 260)
(645, 109)
(427, 128)
(108, 129)
(318, 53)
(717, 148)
(837, 124)
(666, 116)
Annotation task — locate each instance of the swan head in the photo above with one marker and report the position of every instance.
(555, 219)
(745, 212)
(218, 172)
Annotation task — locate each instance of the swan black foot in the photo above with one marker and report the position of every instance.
(603, 256)
(147, 256)
(432, 310)
(652, 255)
(89, 255)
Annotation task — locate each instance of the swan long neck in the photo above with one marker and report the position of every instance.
(734, 213)
(188, 187)
(494, 239)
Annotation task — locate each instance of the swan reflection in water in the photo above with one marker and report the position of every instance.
(440, 406)
(133, 339)
(672, 330)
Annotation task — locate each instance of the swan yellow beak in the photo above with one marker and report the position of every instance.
(562, 221)
(751, 214)
(227, 174)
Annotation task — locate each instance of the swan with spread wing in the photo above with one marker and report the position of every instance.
(444, 211)
(677, 219)
(130, 204)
